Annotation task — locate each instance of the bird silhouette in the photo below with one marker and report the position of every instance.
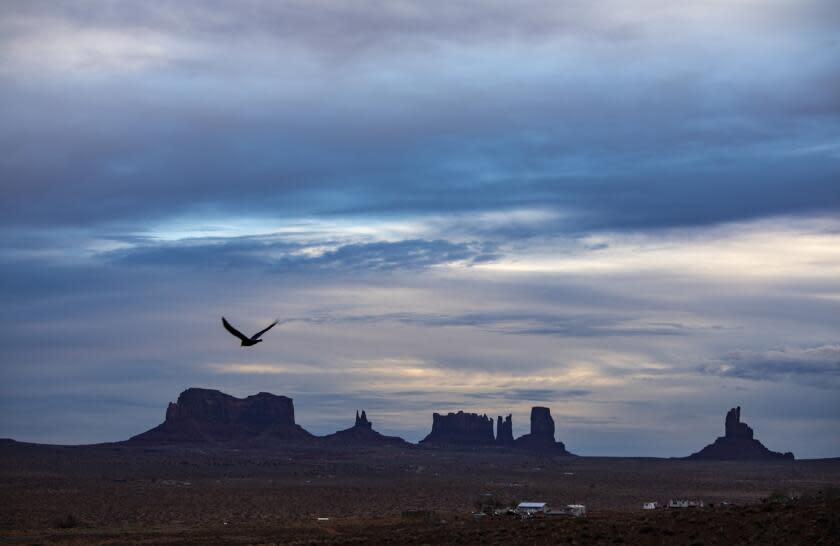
(247, 341)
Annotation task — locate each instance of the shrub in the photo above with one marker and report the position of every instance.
(778, 497)
(68, 521)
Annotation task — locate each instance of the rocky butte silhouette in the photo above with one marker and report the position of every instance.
(541, 437)
(737, 443)
(464, 429)
(202, 416)
(471, 429)
(205, 415)
(362, 434)
(504, 430)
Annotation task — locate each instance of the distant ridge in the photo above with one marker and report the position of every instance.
(737, 443)
(208, 416)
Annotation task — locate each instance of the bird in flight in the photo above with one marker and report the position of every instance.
(247, 341)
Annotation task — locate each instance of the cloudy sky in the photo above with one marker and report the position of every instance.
(626, 211)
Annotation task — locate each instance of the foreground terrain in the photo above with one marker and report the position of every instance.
(166, 495)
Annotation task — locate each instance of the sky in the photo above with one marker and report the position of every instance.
(628, 212)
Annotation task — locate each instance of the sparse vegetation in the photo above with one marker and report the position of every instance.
(778, 496)
(67, 521)
(489, 505)
(225, 496)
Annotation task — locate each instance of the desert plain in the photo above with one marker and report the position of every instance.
(114, 494)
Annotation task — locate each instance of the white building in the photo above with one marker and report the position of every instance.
(531, 508)
(576, 510)
(650, 506)
(681, 503)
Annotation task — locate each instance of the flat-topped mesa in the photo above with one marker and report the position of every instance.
(362, 434)
(460, 429)
(211, 406)
(504, 430)
(738, 443)
(541, 436)
(206, 415)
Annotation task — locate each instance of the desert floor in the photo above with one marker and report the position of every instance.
(199, 495)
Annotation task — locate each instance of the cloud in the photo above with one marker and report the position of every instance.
(532, 395)
(281, 256)
(819, 366)
(408, 254)
(329, 29)
(519, 323)
(341, 29)
(244, 252)
(483, 203)
(368, 110)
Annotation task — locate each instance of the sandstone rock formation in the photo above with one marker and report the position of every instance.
(460, 429)
(205, 415)
(734, 427)
(541, 436)
(362, 421)
(504, 430)
(362, 434)
(738, 443)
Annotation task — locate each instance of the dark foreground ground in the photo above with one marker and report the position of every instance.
(118, 495)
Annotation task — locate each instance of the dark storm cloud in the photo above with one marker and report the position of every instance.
(137, 115)
(819, 366)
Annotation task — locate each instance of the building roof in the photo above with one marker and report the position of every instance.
(531, 505)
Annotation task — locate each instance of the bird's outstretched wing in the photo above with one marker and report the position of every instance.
(264, 330)
(233, 330)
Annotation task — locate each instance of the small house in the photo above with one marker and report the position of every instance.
(569, 511)
(682, 503)
(650, 506)
(576, 510)
(530, 508)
